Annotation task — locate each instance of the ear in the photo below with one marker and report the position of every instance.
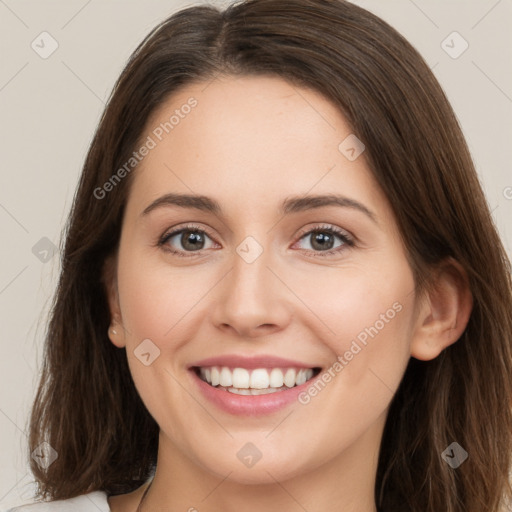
(116, 331)
(443, 312)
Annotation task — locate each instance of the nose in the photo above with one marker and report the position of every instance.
(252, 301)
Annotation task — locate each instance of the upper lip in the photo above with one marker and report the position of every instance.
(261, 361)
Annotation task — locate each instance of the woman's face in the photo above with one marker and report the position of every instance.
(270, 282)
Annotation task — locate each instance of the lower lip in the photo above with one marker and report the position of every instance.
(249, 405)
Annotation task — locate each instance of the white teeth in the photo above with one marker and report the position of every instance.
(276, 378)
(256, 382)
(263, 391)
(225, 378)
(239, 391)
(259, 379)
(240, 378)
(301, 377)
(215, 376)
(289, 377)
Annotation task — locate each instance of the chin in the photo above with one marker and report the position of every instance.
(266, 470)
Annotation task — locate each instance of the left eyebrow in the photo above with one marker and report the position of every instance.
(301, 203)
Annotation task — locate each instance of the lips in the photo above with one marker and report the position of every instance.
(252, 385)
(261, 361)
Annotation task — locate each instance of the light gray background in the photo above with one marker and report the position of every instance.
(49, 109)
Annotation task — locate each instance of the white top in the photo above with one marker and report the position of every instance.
(91, 502)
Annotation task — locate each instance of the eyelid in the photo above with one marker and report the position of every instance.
(347, 238)
(327, 227)
(185, 227)
(169, 233)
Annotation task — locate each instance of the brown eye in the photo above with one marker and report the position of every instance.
(188, 239)
(192, 240)
(322, 240)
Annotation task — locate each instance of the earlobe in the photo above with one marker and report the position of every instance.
(116, 330)
(443, 313)
(116, 335)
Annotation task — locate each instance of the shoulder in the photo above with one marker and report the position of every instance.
(92, 502)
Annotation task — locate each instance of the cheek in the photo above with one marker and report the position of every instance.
(371, 314)
(367, 315)
(155, 298)
(156, 303)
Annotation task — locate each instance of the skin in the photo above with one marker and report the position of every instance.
(263, 140)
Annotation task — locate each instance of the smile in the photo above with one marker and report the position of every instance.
(257, 381)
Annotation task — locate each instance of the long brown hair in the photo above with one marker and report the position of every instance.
(87, 407)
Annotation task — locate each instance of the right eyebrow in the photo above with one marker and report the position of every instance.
(196, 202)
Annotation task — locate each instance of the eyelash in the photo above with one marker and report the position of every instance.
(347, 240)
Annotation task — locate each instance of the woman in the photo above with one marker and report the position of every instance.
(342, 336)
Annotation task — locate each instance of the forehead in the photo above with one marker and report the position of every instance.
(249, 141)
